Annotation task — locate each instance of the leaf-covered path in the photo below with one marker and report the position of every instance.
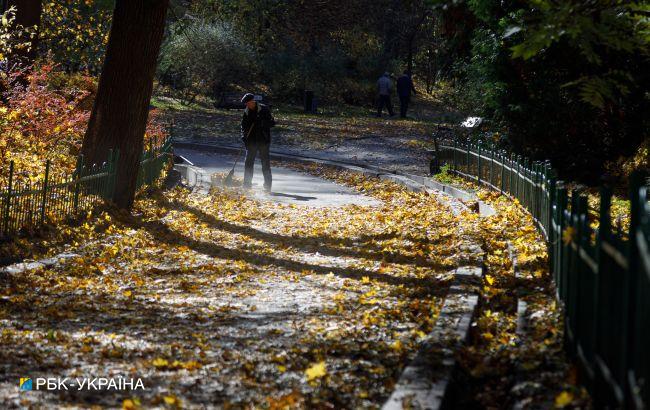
(220, 299)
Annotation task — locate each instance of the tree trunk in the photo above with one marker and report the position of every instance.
(119, 116)
(28, 15)
(409, 58)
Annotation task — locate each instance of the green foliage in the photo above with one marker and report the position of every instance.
(75, 33)
(563, 80)
(337, 48)
(444, 175)
(334, 73)
(13, 37)
(596, 30)
(200, 56)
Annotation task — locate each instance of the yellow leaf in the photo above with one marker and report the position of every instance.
(160, 362)
(397, 346)
(365, 279)
(191, 365)
(282, 368)
(489, 279)
(563, 399)
(131, 404)
(127, 293)
(171, 400)
(315, 371)
(568, 235)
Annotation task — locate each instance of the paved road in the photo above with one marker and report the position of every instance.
(289, 186)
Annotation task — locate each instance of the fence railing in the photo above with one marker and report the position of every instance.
(153, 162)
(25, 206)
(602, 277)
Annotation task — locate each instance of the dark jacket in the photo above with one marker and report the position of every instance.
(405, 86)
(263, 121)
(384, 84)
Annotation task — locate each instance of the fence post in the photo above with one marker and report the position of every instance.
(510, 173)
(8, 201)
(502, 159)
(467, 158)
(537, 189)
(528, 174)
(550, 231)
(523, 190)
(79, 170)
(532, 191)
(562, 201)
(518, 159)
(511, 182)
(455, 146)
(47, 175)
(478, 165)
(550, 187)
(637, 205)
(492, 164)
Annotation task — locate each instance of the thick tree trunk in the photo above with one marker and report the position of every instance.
(28, 15)
(119, 116)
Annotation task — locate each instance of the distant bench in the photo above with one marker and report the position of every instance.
(233, 100)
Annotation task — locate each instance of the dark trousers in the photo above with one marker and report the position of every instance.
(384, 100)
(252, 148)
(404, 105)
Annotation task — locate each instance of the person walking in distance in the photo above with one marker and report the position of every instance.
(256, 124)
(404, 89)
(385, 86)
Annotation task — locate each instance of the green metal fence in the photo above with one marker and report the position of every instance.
(602, 277)
(27, 206)
(153, 162)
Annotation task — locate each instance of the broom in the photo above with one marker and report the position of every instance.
(228, 180)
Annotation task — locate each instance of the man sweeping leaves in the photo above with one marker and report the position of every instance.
(256, 126)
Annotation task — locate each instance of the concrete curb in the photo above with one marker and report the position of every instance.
(425, 381)
(21, 267)
(192, 174)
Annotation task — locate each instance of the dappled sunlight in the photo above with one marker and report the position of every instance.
(257, 300)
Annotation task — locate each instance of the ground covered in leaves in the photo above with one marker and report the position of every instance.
(224, 300)
(515, 355)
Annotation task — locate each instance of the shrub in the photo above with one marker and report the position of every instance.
(199, 56)
(47, 120)
(38, 123)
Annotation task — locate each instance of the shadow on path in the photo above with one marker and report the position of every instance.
(293, 196)
(327, 246)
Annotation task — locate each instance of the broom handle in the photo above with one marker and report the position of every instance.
(248, 134)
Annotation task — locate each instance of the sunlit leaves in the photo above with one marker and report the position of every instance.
(501, 343)
(47, 120)
(13, 37)
(178, 283)
(563, 399)
(76, 32)
(316, 371)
